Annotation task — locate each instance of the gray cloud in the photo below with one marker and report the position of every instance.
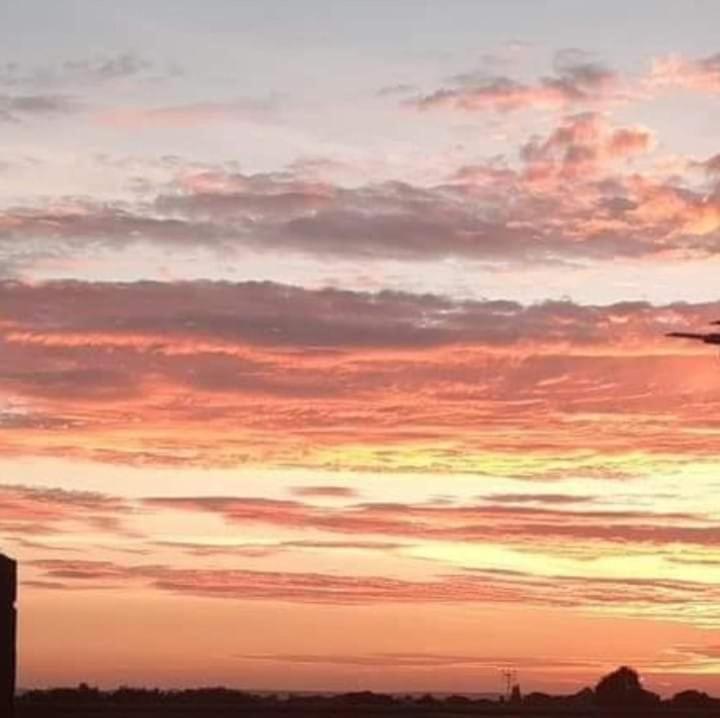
(269, 314)
(81, 71)
(14, 108)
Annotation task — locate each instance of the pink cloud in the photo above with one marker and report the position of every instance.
(702, 74)
(36, 511)
(519, 524)
(582, 147)
(501, 211)
(577, 80)
(658, 598)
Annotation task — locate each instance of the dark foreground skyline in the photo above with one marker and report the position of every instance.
(619, 693)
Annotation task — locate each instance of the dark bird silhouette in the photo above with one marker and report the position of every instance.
(709, 338)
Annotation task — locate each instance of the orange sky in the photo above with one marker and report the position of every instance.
(360, 379)
(529, 490)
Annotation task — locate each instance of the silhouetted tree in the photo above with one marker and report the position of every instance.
(692, 699)
(537, 699)
(584, 696)
(622, 689)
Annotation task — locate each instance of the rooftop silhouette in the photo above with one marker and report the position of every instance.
(8, 595)
(708, 338)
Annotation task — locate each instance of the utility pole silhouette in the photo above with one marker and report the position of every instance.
(509, 678)
(8, 630)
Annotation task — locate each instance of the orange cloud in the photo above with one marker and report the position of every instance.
(657, 597)
(191, 115)
(253, 373)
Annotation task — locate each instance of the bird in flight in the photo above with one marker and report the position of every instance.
(709, 338)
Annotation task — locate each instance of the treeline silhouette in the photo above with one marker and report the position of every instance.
(617, 694)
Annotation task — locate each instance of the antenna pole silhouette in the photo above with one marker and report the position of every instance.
(509, 677)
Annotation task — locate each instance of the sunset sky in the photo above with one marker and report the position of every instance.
(332, 348)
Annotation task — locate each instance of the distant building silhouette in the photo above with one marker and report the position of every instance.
(8, 595)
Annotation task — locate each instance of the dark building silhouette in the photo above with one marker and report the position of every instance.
(8, 594)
